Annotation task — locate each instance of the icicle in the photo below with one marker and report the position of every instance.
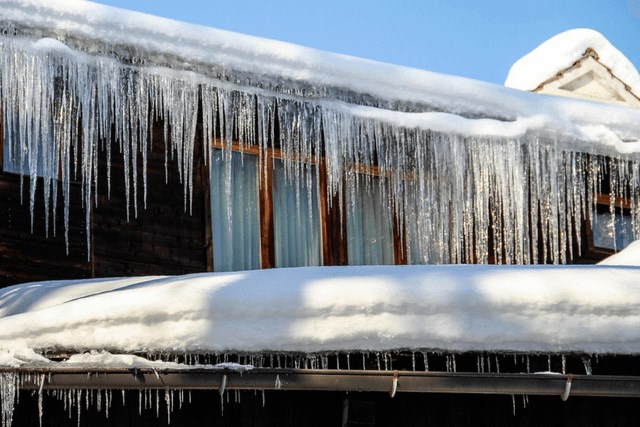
(168, 400)
(278, 383)
(61, 113)
(587, 366)
(79, 405)
(564, 364)
(8, 396)
(107, 398)
(426, 361)
(40, 399)
(513, 401)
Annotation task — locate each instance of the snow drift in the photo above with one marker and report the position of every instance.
(540, 309)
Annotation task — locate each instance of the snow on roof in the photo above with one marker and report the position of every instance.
(629, 256)
(583, 309)
(561, 51)
(96, 28)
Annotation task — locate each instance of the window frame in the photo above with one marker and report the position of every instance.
(333, 217)
(622, 205)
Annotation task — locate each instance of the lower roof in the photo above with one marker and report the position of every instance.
(314, 310)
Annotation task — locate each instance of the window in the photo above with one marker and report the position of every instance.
(611, 231)
(270, 212)
(19, 162)
(234, 211)
(369, 228)
(296, 218)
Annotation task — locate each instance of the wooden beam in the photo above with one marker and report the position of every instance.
(267, 244)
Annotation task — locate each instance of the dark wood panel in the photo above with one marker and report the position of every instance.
(27, 256)
(163, 238)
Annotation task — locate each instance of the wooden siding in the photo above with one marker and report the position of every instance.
(27, 256)
(163, 239)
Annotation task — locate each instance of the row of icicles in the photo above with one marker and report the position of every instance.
(459, 198)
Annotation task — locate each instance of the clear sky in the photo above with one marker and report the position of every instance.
(472, 38)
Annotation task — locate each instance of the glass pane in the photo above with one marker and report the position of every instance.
(234, 211)
(19, 162)
(12, 163)
(369, 231)
(612, 232)
(296, 219)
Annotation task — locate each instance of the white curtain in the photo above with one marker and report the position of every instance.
(296, 217)
(369, 228)
(234, 211)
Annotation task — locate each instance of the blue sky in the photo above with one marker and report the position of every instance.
(472, 38)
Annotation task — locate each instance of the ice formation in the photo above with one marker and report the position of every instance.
(528, 177)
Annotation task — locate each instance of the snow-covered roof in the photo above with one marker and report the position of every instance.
(629, 256)
(253, 61)
(539, 309)
(562, 51)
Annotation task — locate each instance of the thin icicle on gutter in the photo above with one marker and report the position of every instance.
(534, 172)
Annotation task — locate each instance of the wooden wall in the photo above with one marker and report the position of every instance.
(27, 256)
(163, 239)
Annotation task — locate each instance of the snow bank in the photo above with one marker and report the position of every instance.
(561, 51)
(629, 256)
(592, 309)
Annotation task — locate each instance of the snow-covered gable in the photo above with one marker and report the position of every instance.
(578, 63)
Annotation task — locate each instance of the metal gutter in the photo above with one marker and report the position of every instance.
(331, 380)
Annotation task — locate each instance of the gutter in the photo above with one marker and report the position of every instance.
(393, 382)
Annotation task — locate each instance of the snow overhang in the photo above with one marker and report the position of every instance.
(143, 40)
